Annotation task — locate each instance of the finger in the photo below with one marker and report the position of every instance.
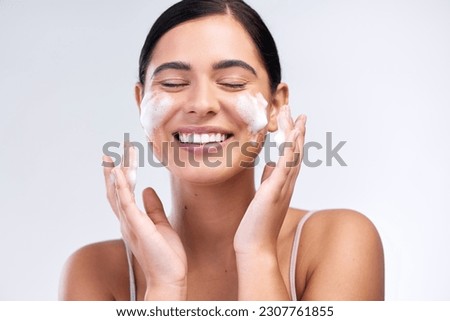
(280, 174)
(299, 125)
(286, 118)
(285, 125)
(109, 183)
(288, 166)
(294, 165)
(129, 165)
(299, 143)
(301, 121)
(288, 150)
(268, 169)
(154, 207)
(128, 209)
(295, 154)
(289, 117)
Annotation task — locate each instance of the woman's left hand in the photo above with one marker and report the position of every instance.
(261, 224)
(255, 241)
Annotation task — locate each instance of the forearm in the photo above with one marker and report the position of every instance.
(260, 278)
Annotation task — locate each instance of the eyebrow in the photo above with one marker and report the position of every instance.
(177, 65)
(223, 64)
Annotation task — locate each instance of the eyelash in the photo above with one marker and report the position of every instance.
(174, 85)
(180, 85)
(234, 85)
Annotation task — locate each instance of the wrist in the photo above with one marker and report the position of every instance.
(261, 260)
(260, 278)
(157, 291)
(257, 253)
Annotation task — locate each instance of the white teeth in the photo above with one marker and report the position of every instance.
(201, 138)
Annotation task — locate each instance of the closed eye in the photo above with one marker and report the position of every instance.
(233, 85)
(173, 85)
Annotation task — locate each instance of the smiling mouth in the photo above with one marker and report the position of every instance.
(201, 138)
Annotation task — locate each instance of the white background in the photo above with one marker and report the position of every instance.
(374, 73)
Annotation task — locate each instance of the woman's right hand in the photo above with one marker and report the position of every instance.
(152, 240)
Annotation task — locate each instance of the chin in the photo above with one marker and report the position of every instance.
(207, 175)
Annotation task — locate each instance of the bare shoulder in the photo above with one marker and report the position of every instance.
(342, 225)
(341, 257)
(97, 271)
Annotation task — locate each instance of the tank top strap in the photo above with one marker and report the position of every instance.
(131, 273)
(294, 253)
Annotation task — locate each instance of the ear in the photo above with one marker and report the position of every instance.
(138, 94)
(279, 99)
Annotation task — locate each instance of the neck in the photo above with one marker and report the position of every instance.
(206, 217)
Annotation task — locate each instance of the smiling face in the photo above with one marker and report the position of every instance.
(206, 96)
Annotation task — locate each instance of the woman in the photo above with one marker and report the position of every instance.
(210, 80)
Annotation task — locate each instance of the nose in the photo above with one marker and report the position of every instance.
(202, 100)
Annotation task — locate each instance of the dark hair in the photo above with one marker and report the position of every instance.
(192, 9)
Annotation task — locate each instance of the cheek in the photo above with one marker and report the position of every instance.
(253, 111)
(154, 109)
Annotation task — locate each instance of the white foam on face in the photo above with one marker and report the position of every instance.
(252, 110)
(154, 108)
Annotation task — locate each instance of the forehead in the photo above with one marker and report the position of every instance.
(204, 40)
